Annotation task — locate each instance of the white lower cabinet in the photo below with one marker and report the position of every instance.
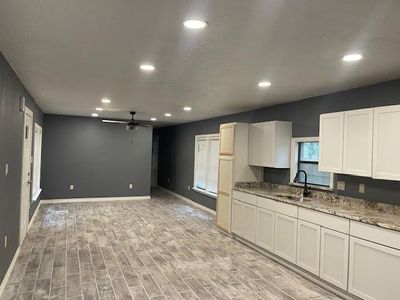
(308, 246)
(334, 257)
(374, 271)
(265, 229)
(237, 217)
(285, 237)
(249, 222)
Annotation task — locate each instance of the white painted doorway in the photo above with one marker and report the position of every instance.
(26, 180)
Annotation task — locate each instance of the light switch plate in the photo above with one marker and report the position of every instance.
(5, 241)
(361, 188)
(130, 186)
(6, 170)
(341, 185)
(71, 187)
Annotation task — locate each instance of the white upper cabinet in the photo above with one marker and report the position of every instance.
(255, 144)
(386, 158)
(227, 139)
(357, 144)
(269, 144)
(331, 142)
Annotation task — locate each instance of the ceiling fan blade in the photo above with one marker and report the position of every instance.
(114, 121)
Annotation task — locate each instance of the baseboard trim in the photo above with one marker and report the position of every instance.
(294, 268)
(9, 271)
(190, 201)
(96, 199)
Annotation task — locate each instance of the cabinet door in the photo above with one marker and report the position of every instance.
(386, 158)
(308, 246)
(265, 229)
(374, 270)
(334, 257)
(331, 142)
(285, 239)
(237, 217)
(357, 144)
(224, 196)
(227, 139)
(268, 144)
(249, 222)
(255, 144)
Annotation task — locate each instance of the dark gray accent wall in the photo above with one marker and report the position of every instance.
(11, 134)
(176, 143)
(99, 159)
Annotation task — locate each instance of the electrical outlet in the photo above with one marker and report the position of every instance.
(188, 187)
(130, 186)
(71, 187)
(341, 185)
(168, 180)
(6, 170)
(361, 188)
(5, 241)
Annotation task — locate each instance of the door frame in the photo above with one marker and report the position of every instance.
(22, 231)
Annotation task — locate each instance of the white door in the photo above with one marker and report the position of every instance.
(249, 222)
(224, 197)
(285, 243)
(227, 139)
(334, 257)
(268, 144)
(26, 174)
(265, 229)
(374, 271)
(386, 158)
(308, 246)
(357, 144)
(255, 144)
(331, 142)
(237, 217)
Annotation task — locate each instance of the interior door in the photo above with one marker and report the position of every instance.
(26, 180)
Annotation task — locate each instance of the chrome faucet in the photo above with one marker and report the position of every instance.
(306, 192)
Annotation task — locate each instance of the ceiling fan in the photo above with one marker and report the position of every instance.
(131, 124)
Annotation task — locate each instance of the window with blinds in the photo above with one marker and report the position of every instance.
(206, 163)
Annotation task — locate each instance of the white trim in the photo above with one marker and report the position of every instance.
(35, 197)
(99, 199)
(294, 160)
(190, 201)
(211, 195)
(9, 271)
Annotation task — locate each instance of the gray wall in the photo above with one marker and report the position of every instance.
(11, 133)
(176, 143)
(99, 159)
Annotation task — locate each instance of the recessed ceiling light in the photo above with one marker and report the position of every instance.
(264, 84)
(147, 67)
(105, 100)
(99, 108)
(95, 115)
(352, 57)
(187, 108)
(195, 24)
(167, 115)
(153, 119)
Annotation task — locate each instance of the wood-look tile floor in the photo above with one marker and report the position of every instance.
(144, 249)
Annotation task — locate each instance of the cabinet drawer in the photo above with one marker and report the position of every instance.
(324, 220)
(245, 197)
(375, 234)
(266, 203)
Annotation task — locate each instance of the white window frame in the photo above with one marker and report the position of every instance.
(294, 159)
(208, 137)
(37, 161)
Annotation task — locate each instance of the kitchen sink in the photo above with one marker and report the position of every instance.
(289, 197)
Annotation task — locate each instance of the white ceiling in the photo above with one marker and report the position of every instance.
(71, 53)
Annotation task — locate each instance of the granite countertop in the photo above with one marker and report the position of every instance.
(365, 211)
